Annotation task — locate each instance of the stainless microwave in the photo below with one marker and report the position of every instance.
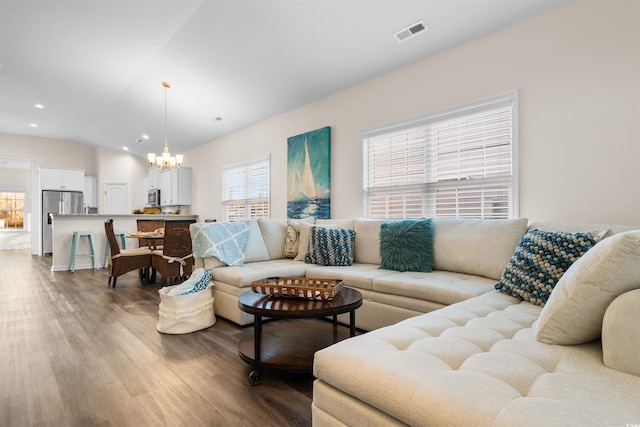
(154, 197)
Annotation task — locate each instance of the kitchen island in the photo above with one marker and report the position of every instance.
(64, 225)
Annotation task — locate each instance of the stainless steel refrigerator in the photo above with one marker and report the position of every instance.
(57, 202)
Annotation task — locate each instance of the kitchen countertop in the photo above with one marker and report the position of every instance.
(137, 216)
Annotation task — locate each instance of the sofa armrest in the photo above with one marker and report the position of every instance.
(621, 333)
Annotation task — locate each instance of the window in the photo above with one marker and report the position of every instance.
(457, 163)
(11, 210)
(245, 192)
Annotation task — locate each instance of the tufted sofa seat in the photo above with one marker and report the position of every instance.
(473, 363)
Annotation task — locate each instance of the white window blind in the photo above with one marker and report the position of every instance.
(245, 191)
(458, 163)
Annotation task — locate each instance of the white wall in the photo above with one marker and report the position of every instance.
(120, 167)
(46, 152)
(577, 72)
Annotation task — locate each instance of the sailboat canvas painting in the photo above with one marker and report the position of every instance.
(309, 174)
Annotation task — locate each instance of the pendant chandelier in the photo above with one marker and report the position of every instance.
(165, 161)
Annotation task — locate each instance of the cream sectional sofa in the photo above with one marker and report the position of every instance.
(494, 360)
(446, 348)
(469, 256)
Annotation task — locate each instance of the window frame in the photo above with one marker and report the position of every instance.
(427, 189)
(246, 166)
(10, 210)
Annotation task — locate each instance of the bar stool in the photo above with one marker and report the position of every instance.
(74, 248)
(107, 248)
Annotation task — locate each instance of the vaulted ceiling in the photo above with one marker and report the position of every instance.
(96, 67)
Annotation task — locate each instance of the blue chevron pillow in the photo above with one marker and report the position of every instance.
(330, 246)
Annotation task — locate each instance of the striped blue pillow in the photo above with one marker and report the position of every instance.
(330, 246)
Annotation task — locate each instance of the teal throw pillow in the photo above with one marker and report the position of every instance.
(330, 246)
(540, 260)
(407, 245)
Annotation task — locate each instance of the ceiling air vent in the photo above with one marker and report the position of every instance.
(410, 31)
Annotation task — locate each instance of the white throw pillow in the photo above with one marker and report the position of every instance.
(574, 312)
(292, 240)
(256, 249)
(274, 233)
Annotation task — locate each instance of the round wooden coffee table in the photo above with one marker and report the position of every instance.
(290, 343)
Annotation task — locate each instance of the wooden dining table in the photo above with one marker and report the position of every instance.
(150, 237)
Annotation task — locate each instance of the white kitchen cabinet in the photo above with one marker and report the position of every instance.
(145, 191)
(175, 187)
(181, 186)
(61, 179)
(165, 188)
(154, 179)
(90, 191)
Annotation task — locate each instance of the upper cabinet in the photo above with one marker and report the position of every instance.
(165, 188)
(154, 179)
(145, 191)
(175, 187)
(61, 179)
(91, 191)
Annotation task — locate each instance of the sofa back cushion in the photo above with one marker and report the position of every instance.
(476, 246)
(340, 223)
(367, 250)
(580, 227)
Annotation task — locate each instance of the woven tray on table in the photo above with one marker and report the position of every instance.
(298, 287)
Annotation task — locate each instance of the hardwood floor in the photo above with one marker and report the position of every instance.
(74, 352)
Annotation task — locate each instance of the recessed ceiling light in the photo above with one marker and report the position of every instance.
(218, 119)
(33, 125)
(125, 148)
(39, 106)
(145, 136)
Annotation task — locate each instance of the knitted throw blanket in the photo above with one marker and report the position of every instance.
(226, 241)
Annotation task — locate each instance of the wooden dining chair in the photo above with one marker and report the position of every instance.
(122, 261)
(175, 259)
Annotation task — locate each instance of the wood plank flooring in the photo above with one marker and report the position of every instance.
(74, 352)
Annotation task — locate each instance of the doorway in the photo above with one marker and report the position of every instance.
(15, 206)
(116, 198)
